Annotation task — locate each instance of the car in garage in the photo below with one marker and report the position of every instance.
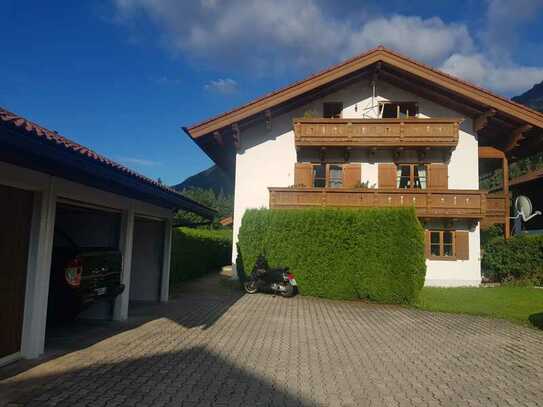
(81, 276)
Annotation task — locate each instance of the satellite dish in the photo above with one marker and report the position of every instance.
(523, 209)
(523, 205)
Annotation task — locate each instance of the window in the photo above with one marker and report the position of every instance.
(398, 110)
(442, 243)
(335, 178)
(411, 176)
(327, 175)
(319, 175)
(332, 110)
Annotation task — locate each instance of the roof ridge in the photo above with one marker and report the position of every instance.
(378, 49)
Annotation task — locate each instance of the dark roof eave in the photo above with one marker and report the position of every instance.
(56, 159)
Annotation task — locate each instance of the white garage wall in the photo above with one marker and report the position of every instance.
(49, 190)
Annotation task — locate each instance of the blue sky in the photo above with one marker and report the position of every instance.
(123, 76)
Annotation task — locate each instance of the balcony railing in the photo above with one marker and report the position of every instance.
(391, 133)
(466, 204)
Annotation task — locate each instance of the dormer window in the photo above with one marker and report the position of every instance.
(332, 110)
(398, 110)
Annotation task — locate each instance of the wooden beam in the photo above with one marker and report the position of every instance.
(490, 152)
(236, 136)
(507, 225)
(481, 121)
(217, 136)
(516, 137)
(429, 94)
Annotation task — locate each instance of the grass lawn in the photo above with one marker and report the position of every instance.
(518, 304)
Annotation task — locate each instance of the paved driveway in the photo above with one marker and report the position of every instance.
(218, 349)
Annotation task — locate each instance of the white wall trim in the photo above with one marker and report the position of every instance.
(166, 260)
(38, 272)
(120, 311)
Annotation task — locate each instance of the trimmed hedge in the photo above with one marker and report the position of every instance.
(196, 252)
(518, 260)
(376, 254)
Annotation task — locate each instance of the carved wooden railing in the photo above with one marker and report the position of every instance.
(497, 210)
(416, 133)
(467, 204)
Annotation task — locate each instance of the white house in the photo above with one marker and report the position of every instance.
(379, 130)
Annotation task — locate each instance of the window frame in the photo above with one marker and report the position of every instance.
(336, 104)
(412, 175)
(327, 177)
(398, 107)
(442, 244)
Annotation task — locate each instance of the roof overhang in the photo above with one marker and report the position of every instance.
(500, 122)
(20, 146)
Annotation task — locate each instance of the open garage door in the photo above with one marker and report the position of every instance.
(147, 257)
(15, 220)
(86, 264)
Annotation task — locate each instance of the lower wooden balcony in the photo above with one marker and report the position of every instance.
(459, 204)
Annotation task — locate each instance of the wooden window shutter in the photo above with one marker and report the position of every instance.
(387, 176)
(303, 175)
(439, 176)
(461, 241)
(427, 244)
(352, 174)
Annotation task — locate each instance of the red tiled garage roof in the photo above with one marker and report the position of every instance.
(27, 127)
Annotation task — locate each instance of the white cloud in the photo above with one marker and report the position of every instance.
(505, 79)
(225, 86)
(139, 161)
(429, 40)
(264, 38)
(503, 19)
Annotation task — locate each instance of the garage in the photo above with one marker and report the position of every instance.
(15, 218)
(72, 218)
(147, 260)
(91, 235)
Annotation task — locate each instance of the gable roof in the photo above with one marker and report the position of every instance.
(455, 85)
(23, 136)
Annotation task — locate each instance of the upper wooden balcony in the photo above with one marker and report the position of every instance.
(377, 133)
(452, 204)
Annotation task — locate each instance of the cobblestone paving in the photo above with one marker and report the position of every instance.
(260, 350)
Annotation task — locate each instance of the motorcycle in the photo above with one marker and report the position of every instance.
(264, 278)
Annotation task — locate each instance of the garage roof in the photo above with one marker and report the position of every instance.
(30, 145)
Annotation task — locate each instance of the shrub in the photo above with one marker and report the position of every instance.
(518, 260)
(340, 253)
(195, 252)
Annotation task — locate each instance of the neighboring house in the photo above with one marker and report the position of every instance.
(378, 130)
(48, 183)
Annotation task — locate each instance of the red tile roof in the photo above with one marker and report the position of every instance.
(35, 130)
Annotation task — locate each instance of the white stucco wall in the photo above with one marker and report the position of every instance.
(267, 157)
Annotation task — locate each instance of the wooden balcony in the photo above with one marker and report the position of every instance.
(497, 210)
(377, 133)
(461, 204)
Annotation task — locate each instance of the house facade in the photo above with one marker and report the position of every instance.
(379, 130)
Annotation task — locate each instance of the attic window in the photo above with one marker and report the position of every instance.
(398, 110)
(332, 110)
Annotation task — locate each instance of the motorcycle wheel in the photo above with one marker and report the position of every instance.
(250, 287)
(289, 291)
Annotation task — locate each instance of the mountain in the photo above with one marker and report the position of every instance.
(213, 178)
(532, 98)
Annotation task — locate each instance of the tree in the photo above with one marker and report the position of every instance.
(222, 203)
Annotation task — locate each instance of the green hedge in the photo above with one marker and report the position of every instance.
(340, 253)
(198, 251)
(518, 260)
